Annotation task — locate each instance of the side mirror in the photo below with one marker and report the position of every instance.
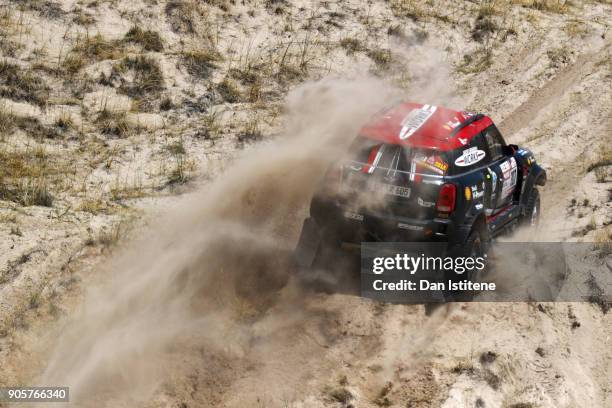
(510, 149)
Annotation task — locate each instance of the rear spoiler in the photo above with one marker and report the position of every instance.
(469, 121)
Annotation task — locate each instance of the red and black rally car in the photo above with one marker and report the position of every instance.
(424, 173)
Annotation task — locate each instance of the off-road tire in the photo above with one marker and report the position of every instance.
(533, 209)
(329, 245)
(474, 246)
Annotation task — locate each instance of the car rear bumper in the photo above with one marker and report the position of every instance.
(359, 226)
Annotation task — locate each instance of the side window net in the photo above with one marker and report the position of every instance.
(494, 141)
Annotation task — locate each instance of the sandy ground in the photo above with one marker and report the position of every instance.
(144, 291)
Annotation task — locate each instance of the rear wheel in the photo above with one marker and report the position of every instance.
(475, 246)
(328, 249)
(533, 210)
(321, 264)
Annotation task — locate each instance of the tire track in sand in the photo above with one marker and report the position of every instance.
(564, 177)
(526, 113)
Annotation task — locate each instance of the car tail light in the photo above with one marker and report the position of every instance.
(446, 198)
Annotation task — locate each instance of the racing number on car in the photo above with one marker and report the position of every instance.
(509, 175)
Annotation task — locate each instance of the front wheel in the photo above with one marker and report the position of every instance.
(533, 210)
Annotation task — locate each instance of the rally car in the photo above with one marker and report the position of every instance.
(424, 173)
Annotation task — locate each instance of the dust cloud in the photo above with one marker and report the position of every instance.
(216, 262)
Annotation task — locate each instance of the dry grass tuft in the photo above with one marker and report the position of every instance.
(64, 122)
(149, 40)
(382, 400)
(31, 126)
(558, 57)
(484, 25)
(228, 89)
(478, 61)
(182, 170)
(601, 174)
(202, 62)
(46, 8)
(247, 75)
(577, 28)
(91, 49)
(250, 132)
(603, 241)
(381, 57)
(8, 47)
(338, 394)
(124, 190)
(9, 218)
(146, 81)
(93, 206)
(351, 45)
(211, 127)
(21, 84)
(24, 177)
(109, 237)
(408, 9)
(553, 6)
(83, 18)
(112, 123)
(602, 160)
(187, 17)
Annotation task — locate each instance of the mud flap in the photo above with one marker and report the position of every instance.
(308, 245)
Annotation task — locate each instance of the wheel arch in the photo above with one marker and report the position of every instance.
(475, 221)
(537, 177)
(480, 222)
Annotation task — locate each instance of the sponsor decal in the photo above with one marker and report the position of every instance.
(426, 204)
(433, 163)
(478, 206)
(427, 180)
(493, 177)
(409, 227)
(475, 193)
(462, 140)
(442, 165)
(415, 119)
(353, 216)
(509, 175)
(452, 124)
(470, 156)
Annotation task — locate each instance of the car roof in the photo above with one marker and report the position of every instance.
(425, 126)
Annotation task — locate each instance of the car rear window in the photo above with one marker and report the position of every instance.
(374, 154)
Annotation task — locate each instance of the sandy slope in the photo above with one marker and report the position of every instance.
(163, 331)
